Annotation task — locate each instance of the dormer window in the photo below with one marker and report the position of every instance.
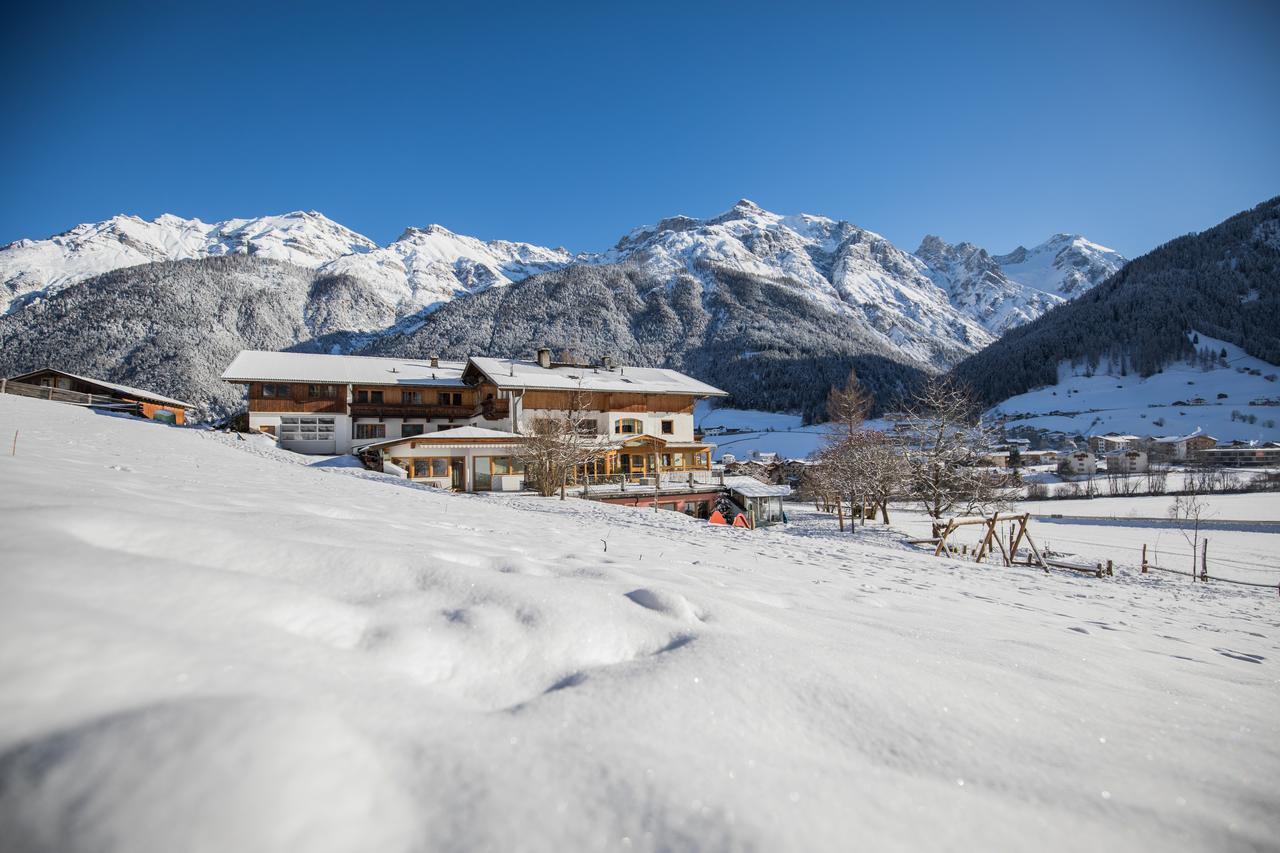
(628, 426)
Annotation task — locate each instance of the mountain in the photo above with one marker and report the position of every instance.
(759, 338)
(775, 308)
(1223, 282)
(423, 268)
(1005, 291)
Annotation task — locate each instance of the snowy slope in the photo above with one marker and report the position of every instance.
(1065, 265)
(205, 647)
(1108, 402)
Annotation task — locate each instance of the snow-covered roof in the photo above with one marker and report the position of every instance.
(1176, 439)
(267, 366)
(148, 396)
(511, 373)
(750, 487)
(462, 433)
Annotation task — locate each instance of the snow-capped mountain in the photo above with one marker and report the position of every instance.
(40, 268)
(429, 266)
(422, 268)
(843, 268)
(1065, 265)
(1004, 291)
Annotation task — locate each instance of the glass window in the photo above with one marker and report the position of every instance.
(668, 427)
(411, 429)
(442, 398)
(588, 426)
(628, 426)
(439, 466)
(421, 468)
(666, 460)
(371, 430)
(275, 389)
(411, 398)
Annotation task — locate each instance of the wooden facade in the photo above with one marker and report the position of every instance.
(153, 408)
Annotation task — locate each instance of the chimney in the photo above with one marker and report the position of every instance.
(544, 358)
(607, 362)
(435, 361)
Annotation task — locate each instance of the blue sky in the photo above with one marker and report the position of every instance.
(570, 124)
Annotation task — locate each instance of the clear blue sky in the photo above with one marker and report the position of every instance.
(570, 124)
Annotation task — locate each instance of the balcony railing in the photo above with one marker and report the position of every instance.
(410, 410)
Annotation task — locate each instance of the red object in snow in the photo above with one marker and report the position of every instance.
(716, 518)
(740, 520)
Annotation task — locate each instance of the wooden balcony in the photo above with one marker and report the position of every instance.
(431, 411)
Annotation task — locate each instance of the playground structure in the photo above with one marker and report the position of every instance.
(1019, 531)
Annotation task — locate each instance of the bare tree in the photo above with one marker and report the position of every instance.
(555, 448)
(849, 406)
(1187, 511)
(946, 449)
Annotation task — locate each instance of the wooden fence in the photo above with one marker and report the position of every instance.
(61, 395)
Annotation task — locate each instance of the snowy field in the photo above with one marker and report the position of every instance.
(1105, 402)
(760, 432)
(207, 646)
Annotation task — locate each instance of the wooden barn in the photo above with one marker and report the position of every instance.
(63, 387)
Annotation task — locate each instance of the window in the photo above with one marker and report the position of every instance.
(588, 426)
(407, 430)
(668, 427)
(421, 468)
(439, 466)
(368, 396)
(371, 430)
(295, 428)
(448, 398)
(628, 426)
(702, 460)
(666, 460)
(275, 389)
(321, 392)
(443, 427)
(411, 398)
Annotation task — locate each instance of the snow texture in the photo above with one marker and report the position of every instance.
(208, 646)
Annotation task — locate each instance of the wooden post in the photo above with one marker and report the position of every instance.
(1099, 572)
(1204, 560)
(657, 477)
(1109, 571)
(1144, 558)
(14, 450)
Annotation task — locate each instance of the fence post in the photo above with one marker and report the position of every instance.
(1204, 560)
(1144, 558)
(1109, 569)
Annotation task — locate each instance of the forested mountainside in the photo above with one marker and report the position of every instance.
(173, 327)
(1224, 282)
(756, 338)
(773, 308)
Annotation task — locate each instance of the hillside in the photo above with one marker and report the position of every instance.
(775, 308)
(757, 338)
(208, 646)
(1223, 282)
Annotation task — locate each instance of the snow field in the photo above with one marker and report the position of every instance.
(205, 648)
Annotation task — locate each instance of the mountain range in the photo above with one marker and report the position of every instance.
(746, 298)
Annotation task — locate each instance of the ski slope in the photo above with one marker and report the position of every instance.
(206, 645)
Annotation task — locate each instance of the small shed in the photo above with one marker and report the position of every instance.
(762, 501)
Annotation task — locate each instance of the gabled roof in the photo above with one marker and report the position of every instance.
(514, 374)
(267, 366)
(145, 396)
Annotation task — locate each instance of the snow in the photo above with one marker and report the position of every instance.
(758, 432)
(206, 646)
(250, 365)
(514, 373)
(1108, 402)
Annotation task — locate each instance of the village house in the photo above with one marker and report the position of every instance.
(1126, 462)
(459, 423)
(1078, 462)
(1104, 444)
(1241, 454)
(62, 387)
(1179, 448)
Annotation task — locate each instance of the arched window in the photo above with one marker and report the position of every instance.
(628, 426)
